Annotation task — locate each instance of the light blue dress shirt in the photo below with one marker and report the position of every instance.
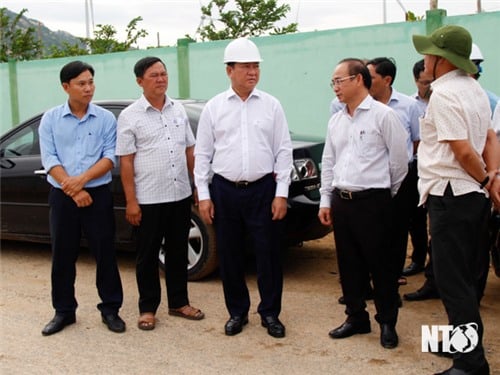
(77, 144)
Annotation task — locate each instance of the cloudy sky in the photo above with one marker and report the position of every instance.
(170, 20)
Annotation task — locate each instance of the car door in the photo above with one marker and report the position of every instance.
(24, 195)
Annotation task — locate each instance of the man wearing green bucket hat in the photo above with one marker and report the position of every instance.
(457, 162)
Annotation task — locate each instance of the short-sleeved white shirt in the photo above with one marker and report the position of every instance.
(458, 110)
(159, 140)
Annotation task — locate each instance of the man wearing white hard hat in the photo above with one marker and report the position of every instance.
(243, 139)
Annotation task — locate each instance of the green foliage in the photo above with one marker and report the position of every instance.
(411, 17)
(66, 50)
(22, 44)
(105, 41)
(16, 43)
(243, 18)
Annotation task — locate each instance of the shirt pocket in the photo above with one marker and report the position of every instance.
(369, 144)
(150, 133)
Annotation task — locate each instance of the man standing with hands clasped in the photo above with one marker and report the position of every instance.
(77, 144)
(364, 163)
(458, 159)
(243, 138)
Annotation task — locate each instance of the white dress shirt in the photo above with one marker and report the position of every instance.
(367, 150)
(458, 110)
(243, 141)
(159, 140)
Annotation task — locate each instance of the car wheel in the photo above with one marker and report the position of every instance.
(202, 254)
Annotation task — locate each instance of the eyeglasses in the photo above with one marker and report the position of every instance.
(338, 81)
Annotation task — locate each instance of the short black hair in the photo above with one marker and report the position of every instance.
(143, 64)
(418, 68)
(357, 66)
(74, 69)
(384, 66)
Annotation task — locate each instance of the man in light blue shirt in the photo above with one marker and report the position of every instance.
(77, 143)
(383, 73)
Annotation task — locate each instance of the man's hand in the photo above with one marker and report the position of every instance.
(82, 198)
(494, 190)
(207, 211)
(133, 213)
(72, 185)
(325, 216)
(279, 208)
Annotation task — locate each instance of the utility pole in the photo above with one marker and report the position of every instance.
(89, 18)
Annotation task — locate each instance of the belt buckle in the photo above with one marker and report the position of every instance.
(345, 194)
(241, 184)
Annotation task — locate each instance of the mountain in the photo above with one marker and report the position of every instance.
(49, 38)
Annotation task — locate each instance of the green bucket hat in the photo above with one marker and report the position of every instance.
(451, 42)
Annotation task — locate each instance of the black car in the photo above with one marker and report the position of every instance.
(24, 194)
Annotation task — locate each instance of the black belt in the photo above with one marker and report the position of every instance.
(242, 184)
(350, 195)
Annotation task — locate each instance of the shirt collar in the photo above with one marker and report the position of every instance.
(394, 96)
(230, 93)
(144, 103)
(91, 111)
(447, 77)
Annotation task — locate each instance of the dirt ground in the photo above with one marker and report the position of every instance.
(310, 310)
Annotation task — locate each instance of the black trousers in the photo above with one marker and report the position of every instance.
(418, 222)
(170, 222)
(241, 212)
(362, 230)
(404, 202)
(459, 232)
(67, 222)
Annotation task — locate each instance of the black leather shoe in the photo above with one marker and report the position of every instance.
(412, 269)
(114, 322)
(441, 353)
(274, 327)
(482, 370)
(348, 329)
(58, 322)
(235, 325)
(423, 293)
(388, 336)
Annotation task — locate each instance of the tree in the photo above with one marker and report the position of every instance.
(16, 43)
(411, 17)
(66, 50)
(243, 18)
(104, 40)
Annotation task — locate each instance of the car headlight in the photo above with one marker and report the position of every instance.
(303, 169)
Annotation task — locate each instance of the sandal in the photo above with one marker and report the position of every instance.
(187, 312)
(146, 321)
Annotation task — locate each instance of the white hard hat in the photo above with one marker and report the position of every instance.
(241, 50)
(475, 53)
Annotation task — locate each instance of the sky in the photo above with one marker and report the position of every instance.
(169, 20)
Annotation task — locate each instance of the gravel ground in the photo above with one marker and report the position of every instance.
(179, 346)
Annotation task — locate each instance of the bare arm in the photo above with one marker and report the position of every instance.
(468, 159)
(133, 210)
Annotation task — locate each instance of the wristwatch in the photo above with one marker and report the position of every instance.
(484, 182)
